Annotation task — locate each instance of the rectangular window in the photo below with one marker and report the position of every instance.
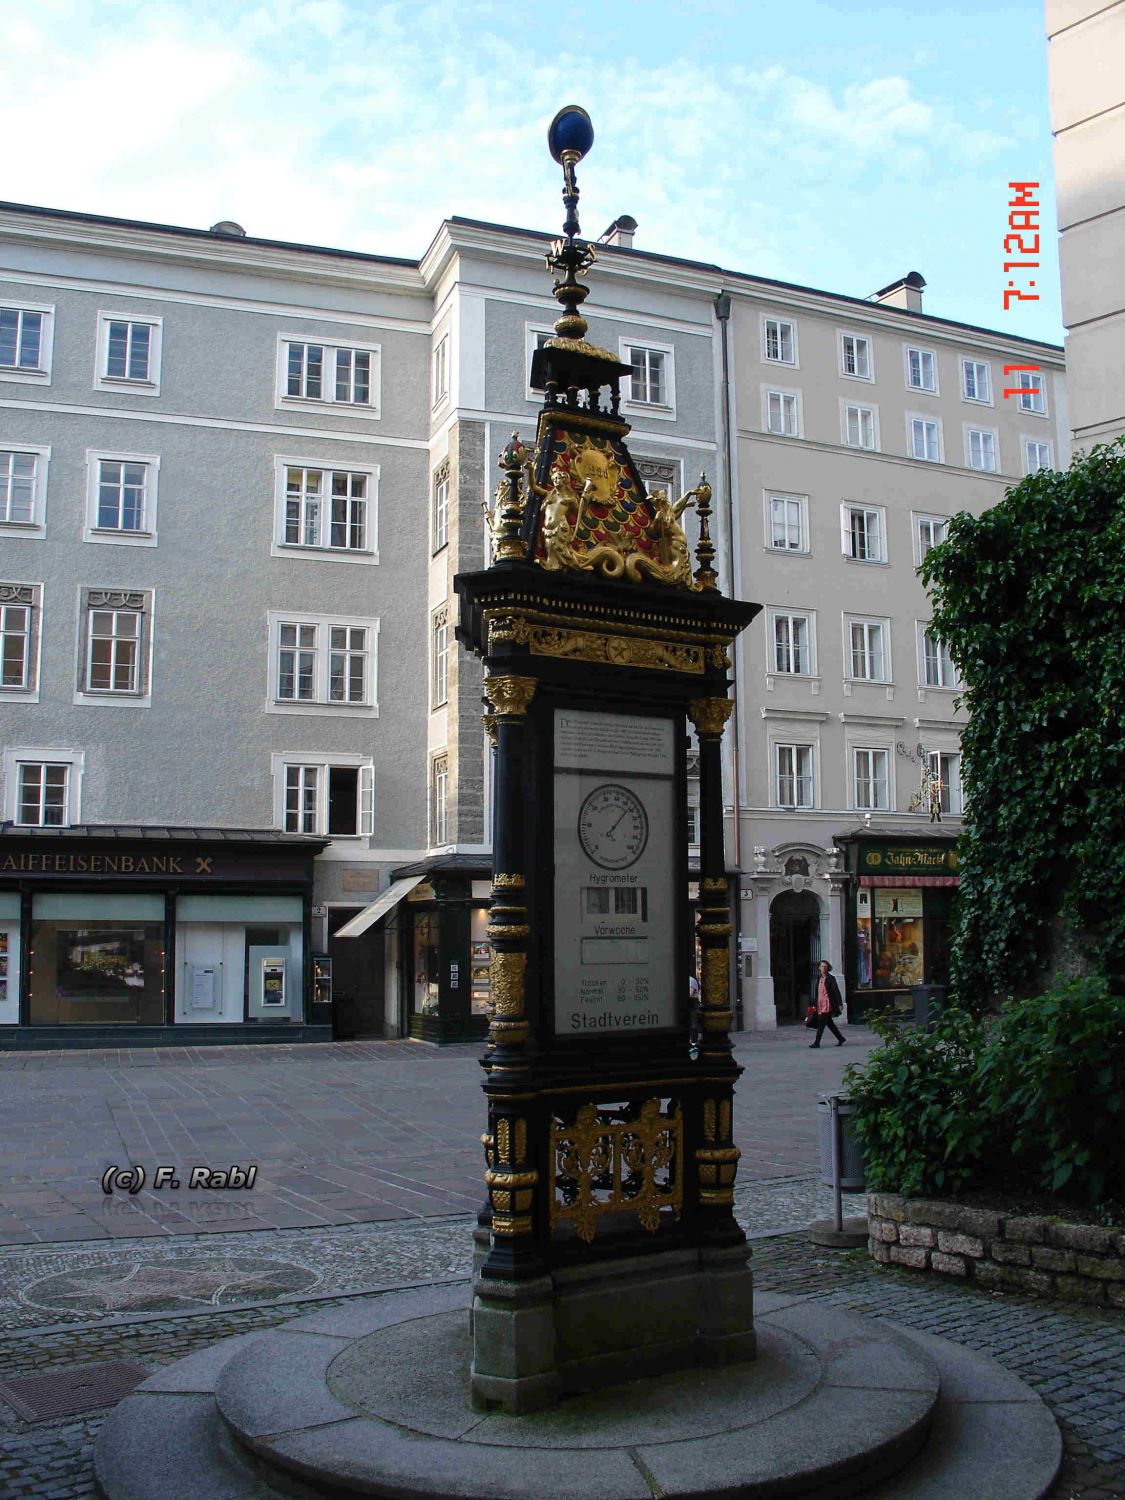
(794, 775)
(859, 427)
(18, 474)
(648, 383)
(1032, 392)
(440, 656)
(947, 769)
(121, 495)
(782, 415)
(855, 354)
(129, 353)
(441, 370)
(327, 509)
(788, 523)
(19, 638)
(322, 662)
(931, 530)
(870, 780)
(42, 795)
(332, 374)
(982, 450)
(441, 508)
(22, 339)
(1036, 456)
(921, 370)
(976, 384)
(864, 534)
(440, 822)
(326, 798)
(780, 341)
(791, 644)
(867, 650)
(937, 665)
(925, 440)
(114, 651)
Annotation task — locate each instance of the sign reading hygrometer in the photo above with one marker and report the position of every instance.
(614, 861)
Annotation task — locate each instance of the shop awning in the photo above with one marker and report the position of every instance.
(898, 881)
(378, 908)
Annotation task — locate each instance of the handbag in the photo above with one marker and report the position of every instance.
(810, 1018)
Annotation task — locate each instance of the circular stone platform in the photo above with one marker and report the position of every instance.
(372, 1398)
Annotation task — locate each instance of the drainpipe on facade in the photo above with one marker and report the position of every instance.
(722, 313)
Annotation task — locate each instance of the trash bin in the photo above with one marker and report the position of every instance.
(852, 1166)
(929, 1001)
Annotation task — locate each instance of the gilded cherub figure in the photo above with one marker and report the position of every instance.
(670, 536)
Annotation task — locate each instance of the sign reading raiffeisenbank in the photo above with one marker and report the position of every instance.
(907, 859)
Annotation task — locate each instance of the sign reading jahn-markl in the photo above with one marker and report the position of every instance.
(609, 1140)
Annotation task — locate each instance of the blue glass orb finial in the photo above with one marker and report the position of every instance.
(570, 130)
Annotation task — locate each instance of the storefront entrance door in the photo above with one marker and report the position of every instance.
(794, 952)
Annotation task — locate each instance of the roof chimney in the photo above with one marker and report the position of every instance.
(906, 292)
(229, 228)
(620, 232)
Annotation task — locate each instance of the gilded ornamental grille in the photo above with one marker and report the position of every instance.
(615, 1158)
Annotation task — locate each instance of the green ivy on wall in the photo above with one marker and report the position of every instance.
(1029, 598)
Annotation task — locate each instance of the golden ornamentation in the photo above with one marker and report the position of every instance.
(724, 1118)
(490, 727)
(521, 1140)
(617, 1160)
(617, 650)
(719, 656)
(510, 1034)
(716, 1020)
(504, 1139)
(716, 977)
(714, 929)
(715, 885)
(674, 565)
(510, 695)
(502, 882)
(507, 983)
(709, 715)
(580, 346)
(512, 931)
(709, 1119)
(505, 1226)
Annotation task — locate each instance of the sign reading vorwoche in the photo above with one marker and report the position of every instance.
(614, 873)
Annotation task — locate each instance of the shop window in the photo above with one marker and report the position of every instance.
(426, 963)
(480, 993)
(97, 960)
(899, 942)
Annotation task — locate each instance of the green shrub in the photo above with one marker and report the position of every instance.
(1052, 1078)
(918, 1107)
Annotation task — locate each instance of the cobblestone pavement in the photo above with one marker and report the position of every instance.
(347, 1132)
(1073, 1356)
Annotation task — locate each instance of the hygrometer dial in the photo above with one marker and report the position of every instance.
(613, 826)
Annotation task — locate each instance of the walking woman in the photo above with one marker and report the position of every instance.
(826, 999)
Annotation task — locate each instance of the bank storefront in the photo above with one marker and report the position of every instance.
(899, 905)
(155, 935)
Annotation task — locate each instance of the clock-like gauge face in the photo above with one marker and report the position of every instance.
(613, 827)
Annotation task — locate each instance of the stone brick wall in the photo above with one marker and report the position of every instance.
(1031, 1253)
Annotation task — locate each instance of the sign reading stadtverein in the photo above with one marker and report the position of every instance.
(614, 873)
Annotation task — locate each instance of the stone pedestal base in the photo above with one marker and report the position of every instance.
(585, 1327)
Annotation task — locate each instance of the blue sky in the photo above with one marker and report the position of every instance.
(835, 144)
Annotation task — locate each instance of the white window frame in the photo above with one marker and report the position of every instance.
(809, 617)
(16, 756)
(439, 800)
(976, 364)
(935, 422)
(857, 338)
(847, 508)
(10, 590)
(141, 695)
(769, 359)
(439, 371)
(847, 405)
(946, 669)
(279, 547)
(993, 433)
(321, 704)
(439, 659)
(42, 374)
(146, 535)
(794, 747)
(952, 811)
(323, 762)
(1032, 383)
(283, 401)
(533, 333)
(120, 384)
(868, 622)
(664, 410)
(795, 397)
(439, 513)
(927, 390)
(1027, 442)
(36, 528)
(854, 752)
(802, 502)
(919, 519)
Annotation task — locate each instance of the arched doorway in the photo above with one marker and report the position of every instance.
(794, 952)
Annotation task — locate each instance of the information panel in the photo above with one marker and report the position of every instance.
(615, 914)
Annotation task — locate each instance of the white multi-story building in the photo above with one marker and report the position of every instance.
(237, 479)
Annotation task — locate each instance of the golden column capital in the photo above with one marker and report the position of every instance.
(510, 695)
(709, 715)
